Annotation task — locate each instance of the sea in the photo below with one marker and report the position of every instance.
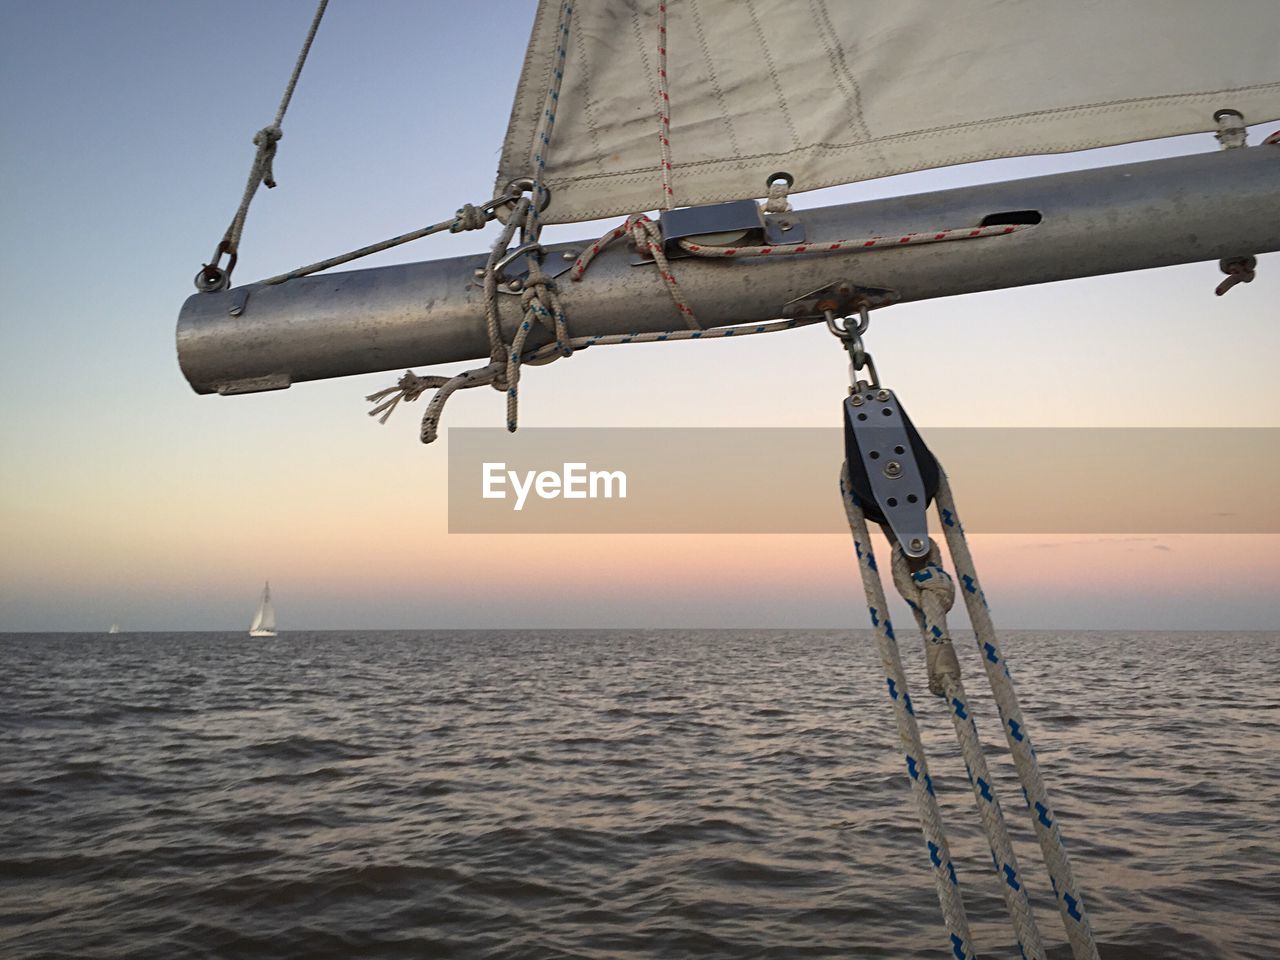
(614, 794)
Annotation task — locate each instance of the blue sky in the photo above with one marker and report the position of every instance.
(123, 496)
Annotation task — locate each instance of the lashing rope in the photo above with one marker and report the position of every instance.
(646, 236)
(540, 298)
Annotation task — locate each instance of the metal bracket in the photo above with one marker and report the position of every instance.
(513, 269)
(513, 278)
(892, 471)
(736, 222)
(715, 224)
(841, 298)
(780, 228)
(239, 300)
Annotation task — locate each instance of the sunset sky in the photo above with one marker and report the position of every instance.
(125, 497)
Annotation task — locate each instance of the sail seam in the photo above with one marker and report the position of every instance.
(713, 79)
(840, 66)
(773, 72)
(1012, 119)
(588, 111)
(700, 168)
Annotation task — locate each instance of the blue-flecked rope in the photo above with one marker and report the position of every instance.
(547, 125)
(930, 593)
(960, 943)
(1066, 890)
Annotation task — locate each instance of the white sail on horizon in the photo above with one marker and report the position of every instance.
(264, 620)
(834, 93)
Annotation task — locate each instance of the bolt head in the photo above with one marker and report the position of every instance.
(856, 400)
(917, 543)
(893, 469)
(882, 395)
(569, 255)
(515, 285)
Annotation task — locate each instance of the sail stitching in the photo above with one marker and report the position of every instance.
(840, 65)
(1009, 119)
(588, 110)
(773, 71)
(641, 175)
(713, 80)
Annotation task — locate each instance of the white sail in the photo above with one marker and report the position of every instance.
(114, 628)
(836, 91)
(264, 621)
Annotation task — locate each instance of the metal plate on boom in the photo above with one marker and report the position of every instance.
(891, 470)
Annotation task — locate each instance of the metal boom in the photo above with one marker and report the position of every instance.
(1109, 220)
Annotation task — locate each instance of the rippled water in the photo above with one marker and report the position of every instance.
(616, 794)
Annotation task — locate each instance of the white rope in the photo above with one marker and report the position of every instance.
(468, 217)
(930, 592)
(265, 140)
(1066, 891)
(547, 125)
(944, 874)
(776, 201)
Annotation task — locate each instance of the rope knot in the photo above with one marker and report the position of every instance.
(265, 140)
(777, 201)
(931, 592)
(409, 388)
(541, 300)
(411, 385)
(470, 217)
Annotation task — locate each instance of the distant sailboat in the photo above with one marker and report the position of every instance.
(114, 628)
(264, 621)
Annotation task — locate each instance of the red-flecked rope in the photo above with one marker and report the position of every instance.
(646, 235)
(664, 111)
(864, 243)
